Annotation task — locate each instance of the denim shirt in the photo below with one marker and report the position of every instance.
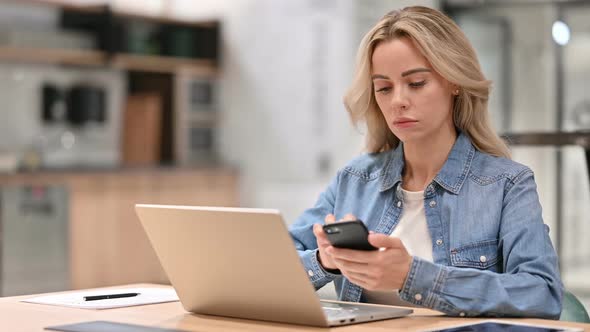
(492, 252)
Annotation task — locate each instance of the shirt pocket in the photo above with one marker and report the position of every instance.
(480, 255)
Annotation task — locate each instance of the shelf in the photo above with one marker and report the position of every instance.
(108, 26)
(161, 19)
(46, 176)
(100, 8)
(164, 64)
(150, 63)
(56, 56)
(62, 4)
(580, 138)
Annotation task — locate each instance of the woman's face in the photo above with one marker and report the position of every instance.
(415, 101)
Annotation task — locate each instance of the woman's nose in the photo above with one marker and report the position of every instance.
(399, 101)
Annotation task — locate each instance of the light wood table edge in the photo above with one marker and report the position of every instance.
(20, 316)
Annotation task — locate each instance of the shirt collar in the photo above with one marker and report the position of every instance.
(451, 176)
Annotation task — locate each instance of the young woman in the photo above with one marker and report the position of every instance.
(458, 223)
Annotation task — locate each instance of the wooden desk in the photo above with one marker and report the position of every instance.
(19, 316)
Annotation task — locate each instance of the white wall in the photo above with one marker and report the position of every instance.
(285, 70)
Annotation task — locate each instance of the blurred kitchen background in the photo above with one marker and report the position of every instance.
(239, 103)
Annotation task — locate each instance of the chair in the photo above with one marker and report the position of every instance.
(573, 310)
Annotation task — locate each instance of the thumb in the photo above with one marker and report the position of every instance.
(384, 241)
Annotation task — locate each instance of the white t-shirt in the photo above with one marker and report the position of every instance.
(412, 229)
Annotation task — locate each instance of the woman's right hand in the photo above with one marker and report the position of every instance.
(323, 243)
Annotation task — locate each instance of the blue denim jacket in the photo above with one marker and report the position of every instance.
(492, 252)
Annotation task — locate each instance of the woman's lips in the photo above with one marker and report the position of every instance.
(405, 123)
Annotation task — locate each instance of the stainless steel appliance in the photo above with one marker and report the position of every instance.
(34, 239)
(70, 117)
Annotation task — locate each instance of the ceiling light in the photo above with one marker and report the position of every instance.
(561, 33)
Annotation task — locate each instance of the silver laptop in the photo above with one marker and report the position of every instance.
(242, 263)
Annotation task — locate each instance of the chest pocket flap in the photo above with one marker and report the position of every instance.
(479, 255)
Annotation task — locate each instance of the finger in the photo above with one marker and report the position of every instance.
(365, 278)
(320, 235)
(323, 243)
(330, 219)
(318, 230)
(360, 268)
(357, 280)
(348, 217)
(345, 269)
(385, 241)
(351, 255)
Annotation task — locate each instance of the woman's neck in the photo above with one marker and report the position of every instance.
(424, 159)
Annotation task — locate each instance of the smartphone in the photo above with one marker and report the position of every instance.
(349, 235)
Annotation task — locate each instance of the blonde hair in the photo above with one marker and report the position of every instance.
(451, 55)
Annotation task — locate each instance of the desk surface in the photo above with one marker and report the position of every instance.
(20, 316)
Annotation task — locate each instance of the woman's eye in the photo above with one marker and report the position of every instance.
(383, 89)
(417, 84)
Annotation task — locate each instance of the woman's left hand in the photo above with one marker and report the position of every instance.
(384, 269)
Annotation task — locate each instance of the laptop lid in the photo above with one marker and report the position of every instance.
(235, 262)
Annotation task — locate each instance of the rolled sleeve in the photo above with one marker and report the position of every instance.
(423, 286)
(316, 273)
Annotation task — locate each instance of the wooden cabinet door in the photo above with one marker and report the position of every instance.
(108, 244)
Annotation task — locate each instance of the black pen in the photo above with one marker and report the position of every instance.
(109, 296)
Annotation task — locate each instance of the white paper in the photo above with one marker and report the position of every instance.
(76, 299)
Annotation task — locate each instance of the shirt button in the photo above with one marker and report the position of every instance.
(483, 259)
(310, 273)
(432, 204)
(462, 314)
(439, 242)
(399, 203)
(418, 297)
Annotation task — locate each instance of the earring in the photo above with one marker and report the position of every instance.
(456, 92)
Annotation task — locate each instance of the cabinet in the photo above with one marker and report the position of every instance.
(107, 245)
(165, 65)
(158, 56)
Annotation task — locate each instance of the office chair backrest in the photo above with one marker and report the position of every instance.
(573, 310)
